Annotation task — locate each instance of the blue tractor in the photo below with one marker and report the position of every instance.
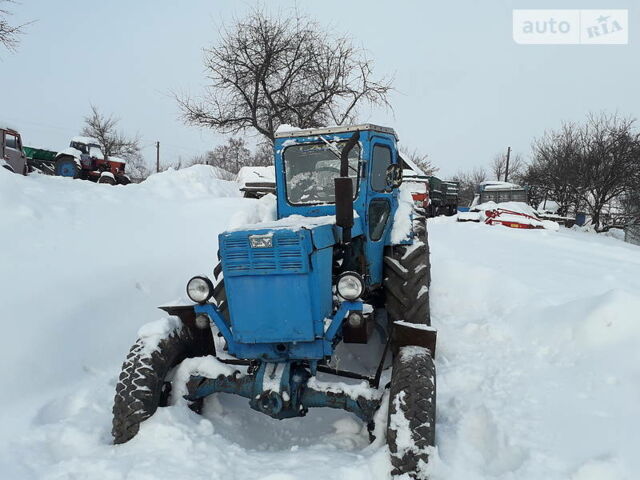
(346, 256)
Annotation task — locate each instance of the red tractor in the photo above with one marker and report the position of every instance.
(84, 159)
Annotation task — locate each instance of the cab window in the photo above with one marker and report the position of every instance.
(379, 164)
(83, 148)
(310, 170)
(379, 210)
(11, 141)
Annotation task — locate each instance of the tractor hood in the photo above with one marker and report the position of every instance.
(323, 230)
(278, 281)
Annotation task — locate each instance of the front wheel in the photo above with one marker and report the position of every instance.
(107, 177)
(142, 388)
(123, 180)
(411, 424)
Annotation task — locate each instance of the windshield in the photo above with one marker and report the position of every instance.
(311, 168)
(96, 151)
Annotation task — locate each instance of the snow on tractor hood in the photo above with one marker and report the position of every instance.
(72, 152)
(264, 217)
(295, 223)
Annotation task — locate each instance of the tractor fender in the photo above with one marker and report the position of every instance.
(186, 313)
(70, 152)
(405, 334)
(203, 343)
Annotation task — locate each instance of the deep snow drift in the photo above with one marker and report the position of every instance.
(538, 359)
(83, 265)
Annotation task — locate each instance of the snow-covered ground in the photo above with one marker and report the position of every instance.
(538, 354)
(539, 358)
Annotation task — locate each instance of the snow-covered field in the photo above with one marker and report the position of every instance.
(538, 354)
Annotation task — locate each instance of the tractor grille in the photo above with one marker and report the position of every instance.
(287, 254)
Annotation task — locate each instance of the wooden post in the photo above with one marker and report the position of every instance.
(506, 172)
(157, 157)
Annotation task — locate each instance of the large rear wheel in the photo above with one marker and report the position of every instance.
(412, 412)
(67, 166)
(142, 386)
(407, 275)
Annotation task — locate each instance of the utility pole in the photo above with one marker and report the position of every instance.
(506, 172)
(157, 157)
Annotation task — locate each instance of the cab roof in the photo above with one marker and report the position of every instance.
(85, 140)
(340, 129)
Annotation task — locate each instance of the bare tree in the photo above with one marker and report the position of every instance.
(273, 70)
(263, 156)
(420, 159)
(137, 168)
(631, 201)
(9, 33)
(498, 165)
(469, 182)
(209, 158)
(230, 157)
(629, 208)
(114, 143)
(589, 166)
(517, 167)
(553, 172)
(610, 162)
(179, 163)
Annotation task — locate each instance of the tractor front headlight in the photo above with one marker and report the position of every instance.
(199, 289)
(350, 285)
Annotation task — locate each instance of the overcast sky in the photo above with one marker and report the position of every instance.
(464, 89)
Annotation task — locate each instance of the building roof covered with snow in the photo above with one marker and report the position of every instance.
(498, 185)
(410, 167)
(256, 174)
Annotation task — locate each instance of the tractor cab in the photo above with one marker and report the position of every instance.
(307, 163)
(89, 148)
